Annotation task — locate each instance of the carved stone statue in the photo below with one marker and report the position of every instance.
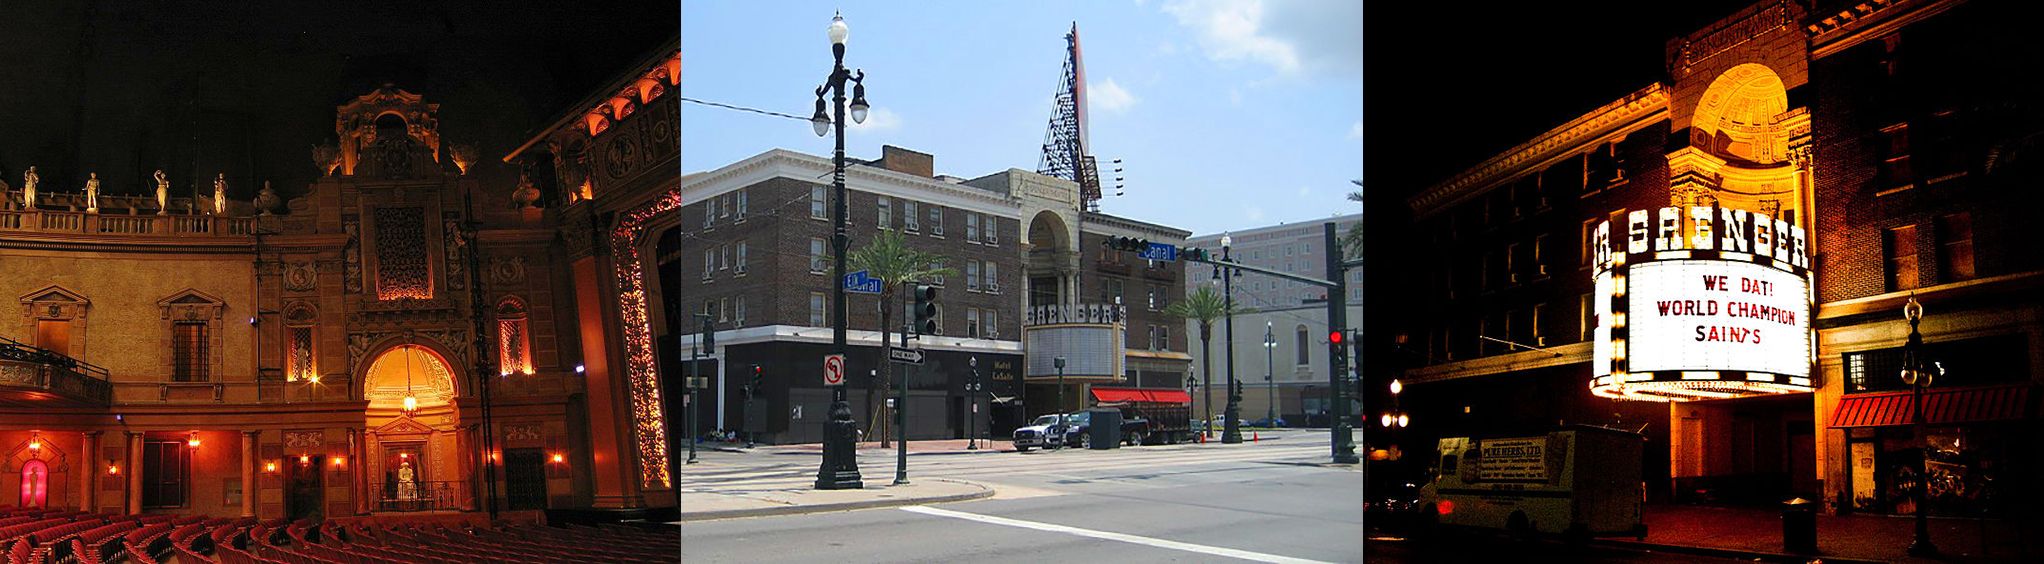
(266, 200)
(162, 193)
(327, 158)
(29, 180)
(220, 194)
(407, 482)
(526, 194)
(92, 194)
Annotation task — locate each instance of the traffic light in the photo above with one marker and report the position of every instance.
(758, 377)
(1196, 254)
(1126, 244)
(926, 310)
(709, 339)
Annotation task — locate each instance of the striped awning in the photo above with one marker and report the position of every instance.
(1139, 395)
(1960, 405)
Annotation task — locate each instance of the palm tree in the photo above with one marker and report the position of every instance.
(1206, 306)
(889, 259)
(1352, 241)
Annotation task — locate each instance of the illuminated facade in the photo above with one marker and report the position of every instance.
(329, 356)
(1873, 143)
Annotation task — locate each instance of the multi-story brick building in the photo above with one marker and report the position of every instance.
(1887, 124)
(755, 240)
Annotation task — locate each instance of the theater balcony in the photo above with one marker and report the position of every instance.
(34, 377)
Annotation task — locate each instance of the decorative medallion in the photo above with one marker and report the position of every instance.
(300, 277)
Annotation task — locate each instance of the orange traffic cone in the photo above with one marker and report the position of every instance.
(1255, 436)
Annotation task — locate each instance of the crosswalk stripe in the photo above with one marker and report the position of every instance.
(1105, 535)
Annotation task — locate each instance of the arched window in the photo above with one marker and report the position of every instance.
(300, 343)
(514, 353)
(35, 483)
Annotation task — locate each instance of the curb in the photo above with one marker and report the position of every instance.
(983, 493)
(1732, 553)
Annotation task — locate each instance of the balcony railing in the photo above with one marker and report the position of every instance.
(28, 368)
(421, 495)
(53, 221)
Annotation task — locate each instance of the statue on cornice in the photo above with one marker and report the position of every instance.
(162, 193)
(92, 194)
(29, 179)
(220, 194)
(266, 200)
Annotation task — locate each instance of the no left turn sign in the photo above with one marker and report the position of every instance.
(834, 370)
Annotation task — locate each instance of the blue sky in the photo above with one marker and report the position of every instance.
(1227, 114)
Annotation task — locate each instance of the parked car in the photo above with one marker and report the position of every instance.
(1266, 423)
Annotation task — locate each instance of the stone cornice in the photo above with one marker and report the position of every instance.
(1867, 20)
(1635, 110)
(1502, 363)
(1129, 227)
(784, 163)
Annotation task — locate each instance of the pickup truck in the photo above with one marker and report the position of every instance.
(1039, 433)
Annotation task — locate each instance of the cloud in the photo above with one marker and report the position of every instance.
(1291, 37)
(1356, 132)
(878, 119)
(1107, 96)
(1254, 213)
(1304, 191)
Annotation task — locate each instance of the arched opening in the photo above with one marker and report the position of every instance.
(390, 126)
(1740, 154)
(416, 459)
(1739, 117)
(1050, 249)
(35, 483)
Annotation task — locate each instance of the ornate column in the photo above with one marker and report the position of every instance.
(88, 471)
(359, 443)
(134, 470)
(249, 488)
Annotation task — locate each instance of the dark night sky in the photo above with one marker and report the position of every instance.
(246, 88)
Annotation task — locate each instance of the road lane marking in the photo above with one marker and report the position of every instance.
(1104, 535)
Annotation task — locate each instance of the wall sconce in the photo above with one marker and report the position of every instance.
(35, 442)
(404, 455)
(579, 369)
(193, 440)
(558, 458)
(112, 469)
(340, 460)
(270, 467)
(313, 378)
(304, 459)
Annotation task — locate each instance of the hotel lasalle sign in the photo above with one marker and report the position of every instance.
(1700, 303)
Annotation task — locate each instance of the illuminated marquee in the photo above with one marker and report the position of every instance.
(1701, 303)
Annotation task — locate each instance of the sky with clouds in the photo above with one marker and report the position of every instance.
(1227, 114)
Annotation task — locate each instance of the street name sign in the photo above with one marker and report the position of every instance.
(1160, 251)
(862, 282)
(906, 356)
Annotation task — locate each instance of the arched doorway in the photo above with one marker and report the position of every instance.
(35, 483)
(416, 460)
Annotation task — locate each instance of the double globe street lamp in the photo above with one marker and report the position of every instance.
(840, 468)
(1918, 376)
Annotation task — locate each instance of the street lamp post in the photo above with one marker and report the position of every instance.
(1060, 402)
(840, 468)
(1231, 430)
(972, 398)
(1269, 375)
(1917, 378)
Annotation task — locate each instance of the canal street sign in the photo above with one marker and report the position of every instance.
(862, 282)
(1160, 251)
(834, 370)
(905, 356)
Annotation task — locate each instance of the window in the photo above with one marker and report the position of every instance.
(909, 221)
(709, 262)
(53, 334)
(993, 278)
(724, 204)
(989, 326)
(1539, 266)
(1895, 168)
(1153, 298)
(1900, 245)
(709, 214)
(723, 256)
(936, 221)
(188, 352)
(1589, 244)
(1586, 316)
(972, 227)
(1163, 294)
(741, 205)
(816, 262)
(1955, 247)
(1534, 325)
(936, 279)
(1162, 339)
(1484, 275)
(723, 310)
(739, 315)
(972, 275)
(886, 217)
(710, 307)
(1299, 346)
(299, 365)
(993, 231)
(166, 473)
(971, 323)
(817, 317)
(741, 257)
(1511, 266)
(1111, 291)
(816, 202)
(514, 352)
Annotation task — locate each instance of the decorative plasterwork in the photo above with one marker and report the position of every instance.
(1634, 110)
(1866, 20)
(192, 305)
(649, 418)
(54, 302)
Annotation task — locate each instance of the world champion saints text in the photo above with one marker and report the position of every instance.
(1705, 228)
(1729, 308)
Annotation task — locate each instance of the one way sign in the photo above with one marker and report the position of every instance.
(905, 356)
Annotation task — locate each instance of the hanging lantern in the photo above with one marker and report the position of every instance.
(192, 440)
(35, 442)
(411, 404)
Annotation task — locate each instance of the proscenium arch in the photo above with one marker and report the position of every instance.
(1738, 117)
(457, 374)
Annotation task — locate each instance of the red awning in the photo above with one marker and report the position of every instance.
(1963, 405)
(1138, 395)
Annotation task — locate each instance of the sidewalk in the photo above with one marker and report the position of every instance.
(706, 503)
(1756, 533)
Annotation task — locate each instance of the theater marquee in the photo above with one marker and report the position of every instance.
(1701, 303)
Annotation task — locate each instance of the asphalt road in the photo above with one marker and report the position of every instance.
(1273, 501)
(1496, 548)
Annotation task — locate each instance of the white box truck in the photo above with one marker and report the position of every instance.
(1579, 481)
